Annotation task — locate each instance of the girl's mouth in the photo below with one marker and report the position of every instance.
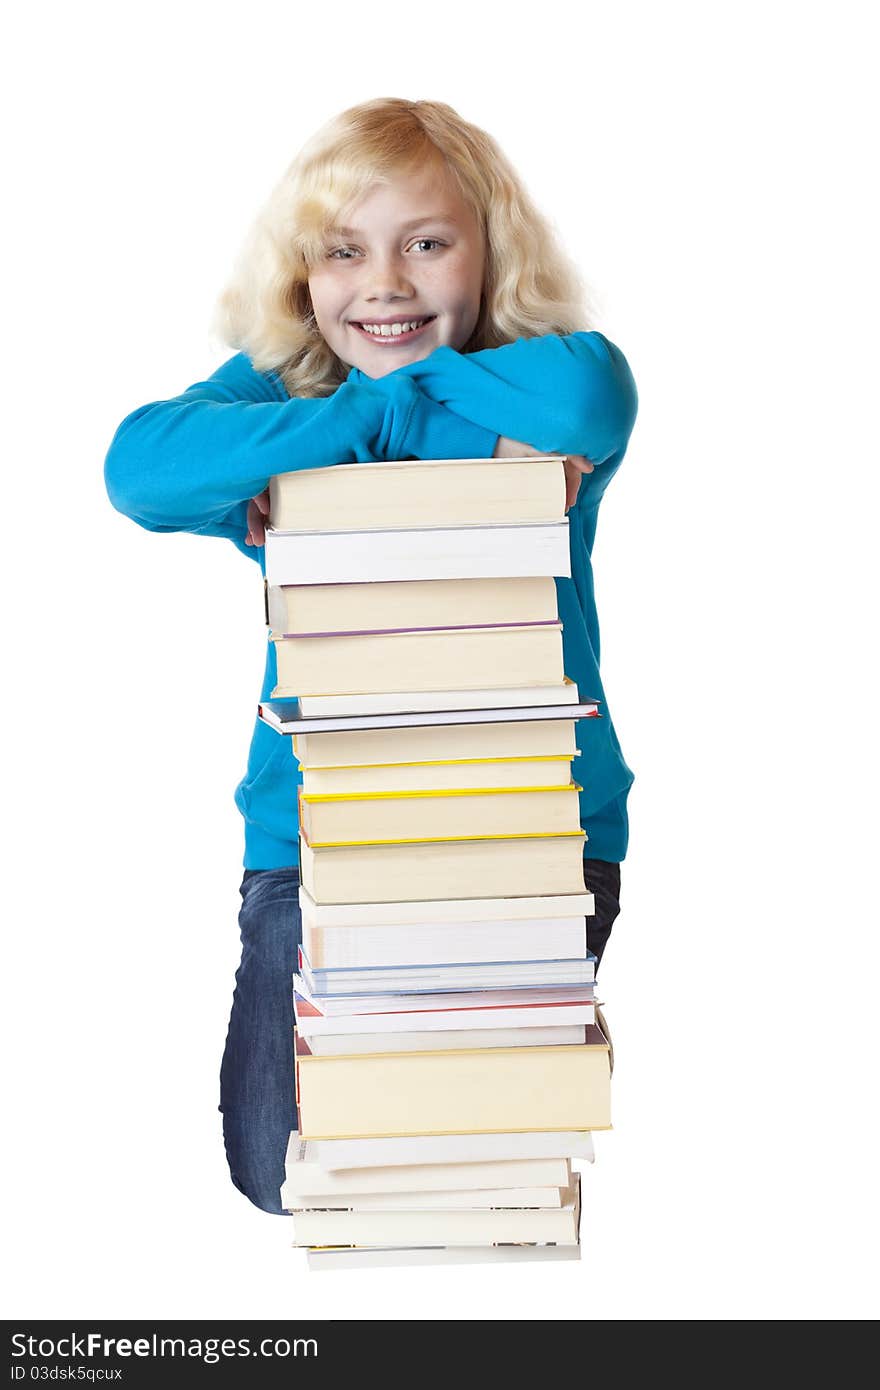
(389, 334)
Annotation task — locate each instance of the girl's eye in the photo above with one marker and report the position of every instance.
(346, 253)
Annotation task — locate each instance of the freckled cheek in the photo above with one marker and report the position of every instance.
(455, 288)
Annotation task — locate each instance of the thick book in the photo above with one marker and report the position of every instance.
(393, 980)
(458, 657)
(305, 1174)
(336, 1154)
(438, 815)
(393, 1257)
(521, 867)
(440, 943)
(460, 1226)
(339, 1044)
(408, 710)
(455, 742)
(470, 774)
(480, 1091)
(401, 493)
(303, 609)
(383, 556)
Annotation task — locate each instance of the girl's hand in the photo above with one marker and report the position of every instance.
(258, 509)
(575, 464)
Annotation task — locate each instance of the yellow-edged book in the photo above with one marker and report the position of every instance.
(534, 738)
(380, 817)
(462, 774)
(417, 870)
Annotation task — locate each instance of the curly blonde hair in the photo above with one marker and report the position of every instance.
(531, 287)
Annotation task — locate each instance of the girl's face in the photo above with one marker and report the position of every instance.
(413, 250)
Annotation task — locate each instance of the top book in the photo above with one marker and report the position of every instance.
(419, 492)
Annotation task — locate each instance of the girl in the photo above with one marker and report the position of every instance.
(400, 296)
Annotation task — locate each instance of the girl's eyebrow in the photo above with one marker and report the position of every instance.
(405, 227)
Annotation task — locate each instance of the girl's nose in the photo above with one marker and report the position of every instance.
(389, 278)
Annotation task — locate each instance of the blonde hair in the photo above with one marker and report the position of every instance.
(531, 287)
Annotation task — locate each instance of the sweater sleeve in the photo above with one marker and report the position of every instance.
(561, 395)
(192, 463)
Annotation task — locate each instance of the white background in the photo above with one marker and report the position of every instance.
(710, 167)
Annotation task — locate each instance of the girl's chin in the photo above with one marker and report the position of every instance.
(386, 363)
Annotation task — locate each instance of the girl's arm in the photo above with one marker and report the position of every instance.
(192, 463)
(562, 395)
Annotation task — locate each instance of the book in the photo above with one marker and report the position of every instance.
(303, 609)
(448, 744)
(470, 774)
(464, 658)
(481, 1091)
(390, 1257)
(462, 1226)
(441, 943)
(462, 912)
(305, 1174)
(339, 1044)
(390, 494)
(474, 1007)
(335, 1154)
(485, 1199)
(481, 1019)
(497, 705)
(359, 819)
(523, 867)
(392, 980)
(382, 556)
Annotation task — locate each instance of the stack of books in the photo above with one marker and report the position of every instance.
(445, 992)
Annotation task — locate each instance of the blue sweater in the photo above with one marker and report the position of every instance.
(192, 463)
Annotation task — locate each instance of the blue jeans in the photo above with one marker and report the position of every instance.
(257, 1089)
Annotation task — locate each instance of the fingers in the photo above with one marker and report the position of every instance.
(256, 531)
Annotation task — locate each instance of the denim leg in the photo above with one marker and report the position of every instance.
(603, 879)
(257, 1096)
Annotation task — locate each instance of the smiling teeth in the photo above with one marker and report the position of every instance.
(392, 330)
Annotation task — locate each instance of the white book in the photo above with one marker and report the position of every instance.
(348, 1044)
(557, 939)
(304, 1173)
(468, 1226)
(496, 705)
(470, 1006)
(454, 552)
(554, 1014)
(449, 1148)
(393, 981)
(390, 1257)
(462, 1199)
(460, 912)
